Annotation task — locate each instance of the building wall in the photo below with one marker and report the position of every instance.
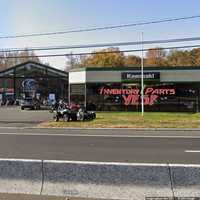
(184, 82)
(34, 80)
(103, 76)
(77, 77)
(115, 76)
(180, 76)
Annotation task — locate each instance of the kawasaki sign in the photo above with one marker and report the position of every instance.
(136, 76)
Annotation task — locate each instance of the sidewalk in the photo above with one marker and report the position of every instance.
(34, 197)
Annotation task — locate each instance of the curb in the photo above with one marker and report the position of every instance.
(99, 179)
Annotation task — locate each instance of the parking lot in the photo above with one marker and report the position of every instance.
(13, 116)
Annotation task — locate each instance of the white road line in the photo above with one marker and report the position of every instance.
(122, 129)
(99, 135)
(101, 163)
(192, 151)
(17, 159)
(104, 163)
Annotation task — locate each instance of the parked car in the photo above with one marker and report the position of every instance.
(30, 103)
(18, 102)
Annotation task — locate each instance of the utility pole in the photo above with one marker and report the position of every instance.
(71, 60)
(142, 76)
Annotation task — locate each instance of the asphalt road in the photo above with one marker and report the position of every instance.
(102, 145)
(13, 116)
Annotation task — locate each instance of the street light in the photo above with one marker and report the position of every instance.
(142, 76)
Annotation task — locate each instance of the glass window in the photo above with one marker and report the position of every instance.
(77, 93)
(96, 98)
(157, 97)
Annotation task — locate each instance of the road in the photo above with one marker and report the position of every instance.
(15, 117)
(107, 145)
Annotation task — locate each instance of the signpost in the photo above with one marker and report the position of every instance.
(142, 77)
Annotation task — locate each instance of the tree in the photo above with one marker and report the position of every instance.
(10, 59)
(132, 61)
(26, 56)
(156, 57)
(195, 57)
(180, 58)
(112, 59)
(74, 61)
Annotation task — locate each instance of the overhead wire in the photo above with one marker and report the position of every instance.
(117, 44)
(102, 52)
(100, 28)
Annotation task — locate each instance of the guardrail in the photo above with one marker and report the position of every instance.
(98, 179)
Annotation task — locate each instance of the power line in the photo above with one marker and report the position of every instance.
(147, 42)
(105, 52)
(100, 28)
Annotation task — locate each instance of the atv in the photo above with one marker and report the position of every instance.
(70, 114)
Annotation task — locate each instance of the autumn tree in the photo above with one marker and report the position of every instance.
(156, 57)
(180, 58)
(195, 57)
(132, 61)
(111, 58)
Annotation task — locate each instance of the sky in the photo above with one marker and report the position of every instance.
(38, 16)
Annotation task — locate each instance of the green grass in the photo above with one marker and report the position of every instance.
(134, 120)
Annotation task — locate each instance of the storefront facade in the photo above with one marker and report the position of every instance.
(106, 89)
(119, 89)
(34, 80)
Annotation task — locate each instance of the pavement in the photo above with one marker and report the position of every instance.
(119, 145)
(13, 116)
(20, 138)
(26, 141)
(34, 197)
(28, 197)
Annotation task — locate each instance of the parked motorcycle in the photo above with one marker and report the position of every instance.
(84, 115)
(68, 113)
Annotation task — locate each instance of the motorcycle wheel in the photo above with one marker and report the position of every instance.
(73, 117)
(56, 118)
(66, 118)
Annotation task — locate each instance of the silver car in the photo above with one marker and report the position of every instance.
(30, 103)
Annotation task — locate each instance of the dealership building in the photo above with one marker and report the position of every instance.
(118, 89)
(34, 80)
(107, 88)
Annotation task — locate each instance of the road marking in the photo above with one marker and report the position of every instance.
(101, 163)
(17, 159)
(120, 129)
(192, 151)
(98, 135)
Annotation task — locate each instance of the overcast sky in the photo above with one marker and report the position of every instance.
(35, 16)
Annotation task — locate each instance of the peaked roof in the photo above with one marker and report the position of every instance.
(35, 63)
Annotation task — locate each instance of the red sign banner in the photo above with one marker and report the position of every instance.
(8, 90)
(133, 97)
